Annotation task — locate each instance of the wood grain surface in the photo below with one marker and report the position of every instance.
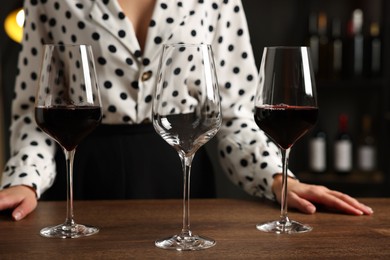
(129, 228)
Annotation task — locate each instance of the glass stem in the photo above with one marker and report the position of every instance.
(69, 156)
(283, 203)
(186, 164)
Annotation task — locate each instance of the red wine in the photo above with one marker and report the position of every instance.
(68, 125)
(285, 124)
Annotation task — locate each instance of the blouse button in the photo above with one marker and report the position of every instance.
(146, 75)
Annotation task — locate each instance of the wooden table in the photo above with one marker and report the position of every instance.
(129, 228)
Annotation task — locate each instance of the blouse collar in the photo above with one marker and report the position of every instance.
(162, 29)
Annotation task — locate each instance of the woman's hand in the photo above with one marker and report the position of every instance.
(21, 199)
(303, 197)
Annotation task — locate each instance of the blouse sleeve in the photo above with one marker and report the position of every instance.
(32, 152)
(246, 154)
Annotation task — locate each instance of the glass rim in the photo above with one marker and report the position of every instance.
(67, 44)
(287, 47)
(185, 44)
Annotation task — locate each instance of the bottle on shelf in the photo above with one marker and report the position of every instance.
(355, 45)
(336, 50)
(313, 41)
(323, 46)
(343, 153)
(318, 152)
(373, 51)
(366, 151)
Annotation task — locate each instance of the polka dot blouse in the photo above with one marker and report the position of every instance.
(127, 77)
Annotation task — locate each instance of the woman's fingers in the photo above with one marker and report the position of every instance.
(24, 208)
(303, 205)
(21, 199)
(303, 197)
(353, 202)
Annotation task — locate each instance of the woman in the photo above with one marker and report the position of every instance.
(127, 36)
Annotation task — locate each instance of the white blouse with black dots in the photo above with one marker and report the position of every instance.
(127, 77)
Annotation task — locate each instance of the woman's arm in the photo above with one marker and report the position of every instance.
(31, 168)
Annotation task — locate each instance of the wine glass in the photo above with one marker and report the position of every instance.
(187, 114)
(68, 108)
(285, 109)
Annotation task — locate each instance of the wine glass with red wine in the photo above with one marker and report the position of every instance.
(187, 114)
(68, 108)
(285, 109)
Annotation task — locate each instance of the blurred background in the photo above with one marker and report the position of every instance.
(347, 150)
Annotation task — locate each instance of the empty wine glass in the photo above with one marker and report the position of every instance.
(68, 108)
(187, 114)
(285, 109)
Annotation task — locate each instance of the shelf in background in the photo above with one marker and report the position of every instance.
(360, 83)
(355, 177)
(356, 184)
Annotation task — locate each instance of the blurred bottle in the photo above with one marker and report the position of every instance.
(336, 50)
(373, 51)
(366, 152)
(317, 152)
(354, 45)
(323, 46)
(343, 160)
(313, 41)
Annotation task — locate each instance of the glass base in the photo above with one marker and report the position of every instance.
(289, 227)
(185, 243)
(68, 231)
